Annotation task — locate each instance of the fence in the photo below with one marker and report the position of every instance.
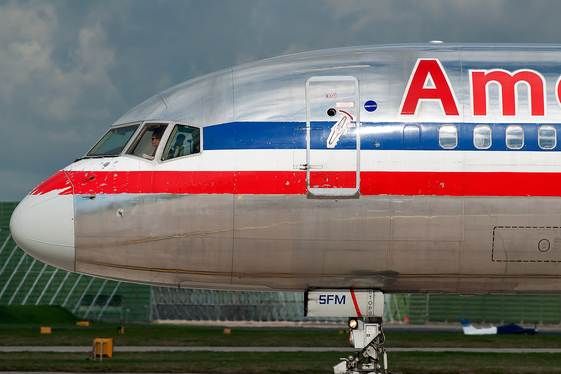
(536, 309)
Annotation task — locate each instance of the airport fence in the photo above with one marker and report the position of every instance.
(535, 309)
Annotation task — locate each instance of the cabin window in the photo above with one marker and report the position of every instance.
(547, 137)
(412, 136)
(514, 137)
(482, 137)
(147, 143)
(183, 141)
(113, 142)
(448, 136)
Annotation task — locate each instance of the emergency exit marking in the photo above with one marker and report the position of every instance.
(331, 96)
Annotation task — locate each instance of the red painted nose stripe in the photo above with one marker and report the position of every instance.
(294, 183)
(57, 182)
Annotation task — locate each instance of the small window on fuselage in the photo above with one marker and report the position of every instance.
(183, 141)
(514, 137)
(448, 136)
(147, 143)
(547, 137)
(482, 137)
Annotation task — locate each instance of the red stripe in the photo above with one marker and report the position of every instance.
(356, 304)
(294, 183)
(460, 184)
(203, 182)
(319, 179)
(57, 181)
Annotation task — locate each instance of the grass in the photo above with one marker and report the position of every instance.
(272, 362)
(20, 327)
(35, 315)
(277, 362)
(189, 336)
(165, 335)
(439, 340)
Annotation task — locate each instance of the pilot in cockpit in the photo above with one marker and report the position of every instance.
(155, 139)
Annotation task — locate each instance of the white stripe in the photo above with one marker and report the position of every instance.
(460, 161)
(341, 160)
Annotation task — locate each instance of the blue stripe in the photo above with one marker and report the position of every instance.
(375, 136)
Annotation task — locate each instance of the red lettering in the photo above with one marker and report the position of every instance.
(508, 97)
(558, 91)
(428, 81)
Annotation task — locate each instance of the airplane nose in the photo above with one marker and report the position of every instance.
(43, 223)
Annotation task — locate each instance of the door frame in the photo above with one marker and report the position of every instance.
(314, 192)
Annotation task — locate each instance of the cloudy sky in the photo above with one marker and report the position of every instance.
(69, 69)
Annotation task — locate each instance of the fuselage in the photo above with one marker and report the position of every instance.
(406, 169)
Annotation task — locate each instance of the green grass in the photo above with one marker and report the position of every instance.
(439, 340)
(19, 326)
(189, 336)
(166, 335)
(42, 315)
(277, 362)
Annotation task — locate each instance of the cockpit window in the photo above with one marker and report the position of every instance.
(147, 143)
(113, 142)
(184, 141)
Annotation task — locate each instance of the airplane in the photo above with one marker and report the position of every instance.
(511, 328)
(344, 174)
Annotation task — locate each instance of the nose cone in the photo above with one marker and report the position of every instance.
(43, 223)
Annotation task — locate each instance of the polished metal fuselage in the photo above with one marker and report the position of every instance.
(448, 241)
(395, 244)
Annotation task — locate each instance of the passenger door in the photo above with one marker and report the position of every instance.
(333, 136)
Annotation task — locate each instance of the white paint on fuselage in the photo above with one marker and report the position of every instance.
(43, 226)
(387, 161)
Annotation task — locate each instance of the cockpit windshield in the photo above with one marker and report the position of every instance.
(113, 142)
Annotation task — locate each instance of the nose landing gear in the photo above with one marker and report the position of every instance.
(365, 333)
(365, 309)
